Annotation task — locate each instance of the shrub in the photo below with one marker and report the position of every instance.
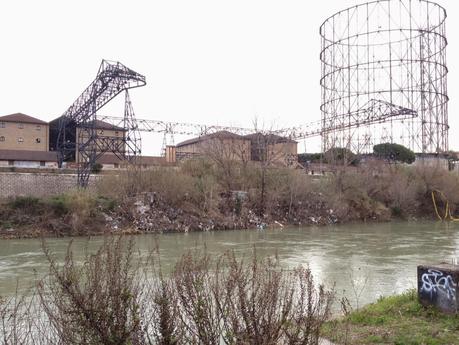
(117, 297)
(96, 168)
(97, 303)
(25, 203)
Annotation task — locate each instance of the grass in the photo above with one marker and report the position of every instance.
(398, 320)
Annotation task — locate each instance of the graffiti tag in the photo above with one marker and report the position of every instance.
(433, 280)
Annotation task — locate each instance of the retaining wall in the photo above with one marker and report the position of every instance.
(38, 184)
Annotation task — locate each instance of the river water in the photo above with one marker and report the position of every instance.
(362, 261)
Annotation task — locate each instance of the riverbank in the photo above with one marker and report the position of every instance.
(394, 320)
(202, 196)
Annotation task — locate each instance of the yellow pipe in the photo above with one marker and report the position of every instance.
(448, 215)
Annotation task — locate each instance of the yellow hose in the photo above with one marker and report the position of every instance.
(448, 215)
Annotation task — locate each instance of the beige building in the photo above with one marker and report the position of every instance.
(27, 159)
(109, 136)
(274, 149)
(221, 144)
(23, 132)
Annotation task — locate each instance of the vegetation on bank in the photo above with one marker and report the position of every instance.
(216, 195)
(72, 213)
(118, 297)
(394, 320)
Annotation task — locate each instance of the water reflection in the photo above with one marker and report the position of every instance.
(376, 259)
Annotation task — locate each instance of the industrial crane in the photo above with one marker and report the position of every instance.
(77, 135)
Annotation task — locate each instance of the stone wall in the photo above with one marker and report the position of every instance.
(38, 184)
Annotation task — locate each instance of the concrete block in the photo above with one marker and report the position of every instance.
(438, 286)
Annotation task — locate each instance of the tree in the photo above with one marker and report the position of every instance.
(341, 156)
(394, 152)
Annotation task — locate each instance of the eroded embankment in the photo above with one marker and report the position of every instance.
(200, 196)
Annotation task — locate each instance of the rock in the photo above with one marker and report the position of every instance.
(438, 286)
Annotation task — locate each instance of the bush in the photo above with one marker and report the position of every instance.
(25, 203)
(96, 168)
(117, 297)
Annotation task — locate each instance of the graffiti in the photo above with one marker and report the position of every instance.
(434, 280)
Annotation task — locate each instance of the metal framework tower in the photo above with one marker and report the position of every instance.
(77, 133)
(386, 59)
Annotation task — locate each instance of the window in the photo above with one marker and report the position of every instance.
(2, 124)
(117, 133)
(10, 162)
(20, 125)
(20, 140)
(42, 163)
(2, 138)
(38, 140)
(38, 128)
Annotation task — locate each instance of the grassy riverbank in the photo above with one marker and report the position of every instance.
(394, 320)
(202, 195)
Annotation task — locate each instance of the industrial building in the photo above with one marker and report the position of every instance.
(275, 149)
(223, 144)
(28, 142)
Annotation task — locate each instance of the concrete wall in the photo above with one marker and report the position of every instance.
(38, 184)
(283, 153)
(24, 136)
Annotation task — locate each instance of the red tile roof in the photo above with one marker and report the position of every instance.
(19, 117)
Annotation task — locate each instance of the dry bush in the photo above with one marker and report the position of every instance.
(117, 297)
(261, 303)
(16, 321)
(432, 179)
(289, 190)
(350, 191)
(198, 313)
(403, 191)
(81, 205)
(191, 185)
(97, 302)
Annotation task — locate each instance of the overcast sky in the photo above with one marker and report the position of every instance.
(206, 61)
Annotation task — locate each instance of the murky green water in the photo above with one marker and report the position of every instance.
(369, 260)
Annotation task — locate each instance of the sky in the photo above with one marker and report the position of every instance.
(206, 61)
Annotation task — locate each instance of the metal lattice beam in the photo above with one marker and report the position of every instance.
(77, 135)
(393, 51)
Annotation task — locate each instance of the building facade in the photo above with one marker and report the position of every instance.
(274, 149)
(221, 144)
(23, 132)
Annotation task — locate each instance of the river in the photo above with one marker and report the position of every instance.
(363, 261)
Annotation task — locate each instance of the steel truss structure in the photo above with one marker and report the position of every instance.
(78, 136)
(385, 59)
(373, 113)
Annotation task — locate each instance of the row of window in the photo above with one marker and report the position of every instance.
(20, 126)
(21, 139)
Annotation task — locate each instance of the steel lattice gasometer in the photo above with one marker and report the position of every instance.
(386, 61)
